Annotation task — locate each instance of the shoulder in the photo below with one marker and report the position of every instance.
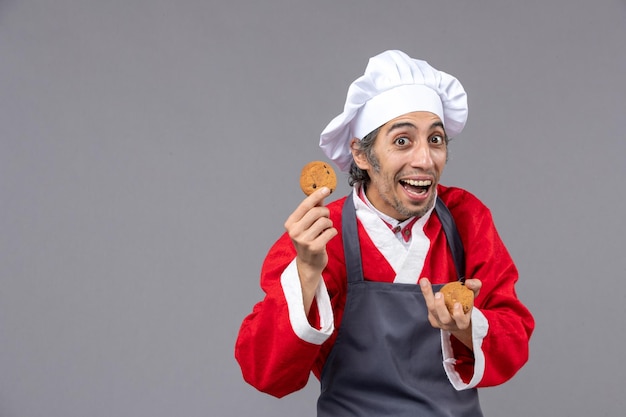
(469, 211)
(460, 200)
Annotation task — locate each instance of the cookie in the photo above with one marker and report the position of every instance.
(315, 175)
(457, 292)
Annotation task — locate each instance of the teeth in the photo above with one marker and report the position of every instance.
(422, 183)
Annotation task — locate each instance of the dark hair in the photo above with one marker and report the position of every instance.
(356, 174)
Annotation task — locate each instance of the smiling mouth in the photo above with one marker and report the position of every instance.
(417, 187)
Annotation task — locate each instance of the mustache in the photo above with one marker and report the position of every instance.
(416, 173)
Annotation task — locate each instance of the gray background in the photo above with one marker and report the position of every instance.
(150, 153)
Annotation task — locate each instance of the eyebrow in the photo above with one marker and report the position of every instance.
(400, 125)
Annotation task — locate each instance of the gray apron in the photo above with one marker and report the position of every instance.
(387, 358)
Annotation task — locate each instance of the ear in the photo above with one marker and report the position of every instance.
(360, 159)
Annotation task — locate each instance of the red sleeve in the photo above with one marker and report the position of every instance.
(272, 357)
(506, 345)
(464, 359)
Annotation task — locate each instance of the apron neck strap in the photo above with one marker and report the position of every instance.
(453, 237)
(352, 249)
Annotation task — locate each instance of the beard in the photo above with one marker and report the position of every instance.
(386, 193)
(408, 211)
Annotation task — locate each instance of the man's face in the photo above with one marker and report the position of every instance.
(407, 160)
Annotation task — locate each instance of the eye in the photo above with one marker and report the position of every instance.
(401, 141)
(437, 140)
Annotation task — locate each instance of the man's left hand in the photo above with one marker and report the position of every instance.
(458, 323)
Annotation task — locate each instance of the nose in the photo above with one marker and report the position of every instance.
(421, 156)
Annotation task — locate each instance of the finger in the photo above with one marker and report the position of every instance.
(427, 292)
(314, 215)
(311, 225)
(323, 238)
(461, 319)
(441, 311)
(474, 284)
(319, 234)
(315, 199)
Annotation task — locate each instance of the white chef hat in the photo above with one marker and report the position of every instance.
(393, 84)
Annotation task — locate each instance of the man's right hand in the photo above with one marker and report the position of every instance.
(310, 229)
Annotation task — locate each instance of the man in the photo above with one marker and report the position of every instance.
(352, 287)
